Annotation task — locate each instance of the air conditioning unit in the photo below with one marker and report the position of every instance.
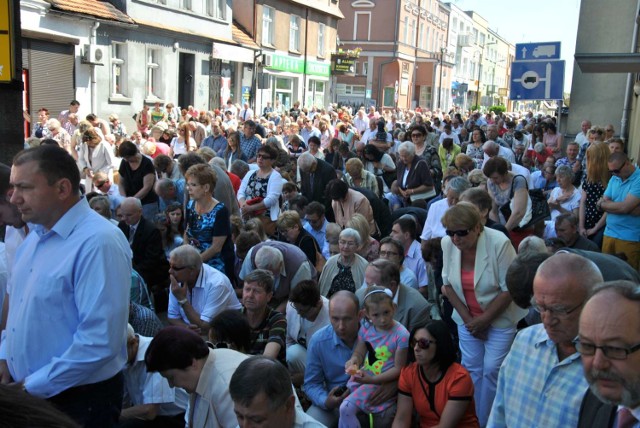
(93, 54)
(266, 60)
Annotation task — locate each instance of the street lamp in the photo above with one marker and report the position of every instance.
(443, 50)
(480, 70)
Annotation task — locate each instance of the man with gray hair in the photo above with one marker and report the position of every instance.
(199, 292)
(268, 326)
(315, 175)
(169, 192)
(287, 263)
(541, 382)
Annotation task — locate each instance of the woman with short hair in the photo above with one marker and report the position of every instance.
(344, 271)
(291, 231)
(357, 176)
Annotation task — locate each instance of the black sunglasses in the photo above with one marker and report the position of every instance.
(460, 233)
(617, 171)
(422, 343)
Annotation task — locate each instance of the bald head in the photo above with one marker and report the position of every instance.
(131, 210)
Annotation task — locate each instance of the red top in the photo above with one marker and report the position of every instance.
(429, 399)
(466, 277)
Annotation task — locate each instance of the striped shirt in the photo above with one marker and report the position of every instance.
(272, 329)
(534, 388)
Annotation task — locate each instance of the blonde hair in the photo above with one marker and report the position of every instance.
(597, 163)
(463, 214)
(361, 225)
(289, 219)
(353, 165)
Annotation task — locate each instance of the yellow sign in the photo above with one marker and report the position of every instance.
(6, 55)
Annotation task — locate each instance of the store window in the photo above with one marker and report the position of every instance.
(284, 91)
(425, 96)
(118, 69)
(315, 93)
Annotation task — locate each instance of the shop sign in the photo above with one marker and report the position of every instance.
(344, 64)
(296, 65)
(6, 67)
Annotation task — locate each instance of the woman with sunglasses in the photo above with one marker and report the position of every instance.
(260, 190)
(475, 262)
(438, 388)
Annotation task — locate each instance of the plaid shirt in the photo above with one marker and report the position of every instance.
(534, 388)
(250, 146)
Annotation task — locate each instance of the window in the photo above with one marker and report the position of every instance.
(186, 5)
(406, 30)
(413, 32)
(294, 33)
(118, 69)
(154, 77)
(321, 43)
(426, 39)
(268, 21)
(420, 38)
(365, 68)
(216, 8)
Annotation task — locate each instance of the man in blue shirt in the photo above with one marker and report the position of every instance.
(308, 130)
(65, 338)
(216, 141)
(621, 202)
(249, 142)
(316, 225)
(329, 348)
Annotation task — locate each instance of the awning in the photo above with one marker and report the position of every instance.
(608, 62)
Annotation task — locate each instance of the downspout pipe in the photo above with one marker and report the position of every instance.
(94, 84)
(626, 110)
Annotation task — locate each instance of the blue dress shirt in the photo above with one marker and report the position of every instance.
(326, 356)
(69, 304)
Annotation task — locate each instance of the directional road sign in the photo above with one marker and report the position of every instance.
(537, 51)
(537, 80)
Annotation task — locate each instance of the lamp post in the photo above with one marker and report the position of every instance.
(443, 50)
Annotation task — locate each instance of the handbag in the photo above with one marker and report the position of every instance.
(424, 195)
(320, 260)
(539, 207)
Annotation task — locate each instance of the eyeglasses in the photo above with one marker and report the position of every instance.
(555, 312)
(265, 157)
(388, 253)
(99, 185)
(612, 352)
(417, 135)
(347, 243)
(460, 233)
(618, 170)
(422, 343)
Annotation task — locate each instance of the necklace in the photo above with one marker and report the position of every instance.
(202, 209)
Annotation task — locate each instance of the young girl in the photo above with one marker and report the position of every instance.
(381, 353)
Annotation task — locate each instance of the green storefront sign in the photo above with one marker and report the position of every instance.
(296, 65)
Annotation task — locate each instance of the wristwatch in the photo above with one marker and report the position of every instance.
(182, 302)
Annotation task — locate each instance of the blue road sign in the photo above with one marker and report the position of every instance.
(537, 51)
(537, 80)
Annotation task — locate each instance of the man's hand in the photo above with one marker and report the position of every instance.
(195, 328)
(5, 376)
(179, 293)
(384, 392)
(333, 401)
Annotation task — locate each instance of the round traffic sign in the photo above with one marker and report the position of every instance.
(530, 79)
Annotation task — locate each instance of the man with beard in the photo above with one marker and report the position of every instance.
(609, 341)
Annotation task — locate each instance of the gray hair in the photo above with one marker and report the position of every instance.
(626, 289)
(565, 171)
(165, 184)
(305, 161)
(269, 258)
(100, 200)
(219, 162)
(239, 168)
(582, 270)
(188, 255)
(407, 147)
(532, 245)
(131, 201)
(491, 146)
(458, 185)
(351, 233)
(130, 332)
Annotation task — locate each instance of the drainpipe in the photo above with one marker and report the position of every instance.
(94, 85)
(304, 69)
(624, 122)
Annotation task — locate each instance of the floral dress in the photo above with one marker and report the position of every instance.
(257, 188)
(202, 228)
(342, 281)
(384, 344)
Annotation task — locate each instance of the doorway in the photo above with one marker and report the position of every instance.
(186, 85)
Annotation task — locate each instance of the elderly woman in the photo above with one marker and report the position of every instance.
(476, 260)
(564, 199)
(95, 155)
(137, 177)
(432, 362)
(208, 225)
(291, 231)
(357, 176)
(511, 202)
(260, 190)
(414, 179)
(344, 271)
(58, 133)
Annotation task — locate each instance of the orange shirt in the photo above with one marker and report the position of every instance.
(466, 277)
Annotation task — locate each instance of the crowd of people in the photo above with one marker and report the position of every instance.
(320, 267)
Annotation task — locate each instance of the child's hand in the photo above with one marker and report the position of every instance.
(351, 367)
(363, 377)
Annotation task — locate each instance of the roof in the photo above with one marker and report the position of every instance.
(181, 30)
(242, 37)
(95, 8)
